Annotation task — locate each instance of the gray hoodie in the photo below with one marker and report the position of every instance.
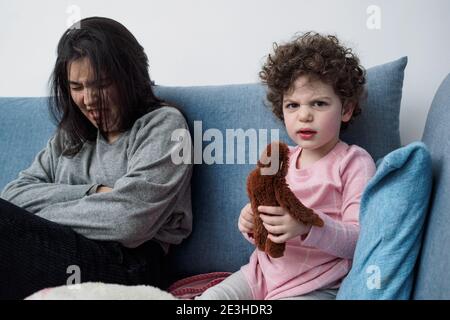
(151, 197)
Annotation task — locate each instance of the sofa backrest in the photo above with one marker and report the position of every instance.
(433, 276)
(225, 114)
(25, 127)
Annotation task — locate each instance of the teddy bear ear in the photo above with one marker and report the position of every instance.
(275, 149)
(264, 160)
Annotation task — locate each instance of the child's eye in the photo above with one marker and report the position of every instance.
(320, 104)
(75, 88)
(291, 106)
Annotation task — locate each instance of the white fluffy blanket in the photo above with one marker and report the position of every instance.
(101, 291)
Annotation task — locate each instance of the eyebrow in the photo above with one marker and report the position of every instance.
(71, 82)
(313, 99)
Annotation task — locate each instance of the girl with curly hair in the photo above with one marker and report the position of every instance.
(314, 85)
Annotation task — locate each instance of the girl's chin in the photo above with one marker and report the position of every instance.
(310, 146)
(307, 144)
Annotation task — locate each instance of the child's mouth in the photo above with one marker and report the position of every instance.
(306, 134)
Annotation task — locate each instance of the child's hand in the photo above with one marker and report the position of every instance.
(245, 223)
(280, 225)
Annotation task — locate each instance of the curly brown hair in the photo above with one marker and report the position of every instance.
(320, 57)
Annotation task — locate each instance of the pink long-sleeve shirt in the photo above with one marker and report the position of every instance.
(332, 187)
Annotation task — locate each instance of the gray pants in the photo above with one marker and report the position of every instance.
(235, 287)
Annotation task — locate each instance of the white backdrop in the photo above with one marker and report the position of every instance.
(205, 42)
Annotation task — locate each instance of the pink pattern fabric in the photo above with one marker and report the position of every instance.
(332, 187)
(190, 287)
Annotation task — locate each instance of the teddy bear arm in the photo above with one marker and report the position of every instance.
(259, 231)
(295, 207)
(262, 242)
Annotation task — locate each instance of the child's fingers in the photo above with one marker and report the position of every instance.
(247, 210)
(271, 220)
(271, 210)
(280, 238)
(245, 229)
(276, 230)
(247, 216)
(245, 225)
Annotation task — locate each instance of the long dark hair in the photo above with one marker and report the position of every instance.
(114, 53)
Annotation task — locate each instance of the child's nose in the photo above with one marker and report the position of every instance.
(304, 114)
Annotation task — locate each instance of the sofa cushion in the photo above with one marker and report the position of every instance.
(433, 276)
(219, 190)
(393, 209)
(25, 127)
(380, 111)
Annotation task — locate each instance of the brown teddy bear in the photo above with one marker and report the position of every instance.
(266, 185)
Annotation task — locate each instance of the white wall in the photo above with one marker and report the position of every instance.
(202, 42)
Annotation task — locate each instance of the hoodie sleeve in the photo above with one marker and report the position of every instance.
(35, 187)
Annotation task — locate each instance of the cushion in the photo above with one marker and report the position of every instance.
(191, 287)
(433, 276)
(25, 127)
(392, 215)
(219, 189)
(380, 111)
(101, 291)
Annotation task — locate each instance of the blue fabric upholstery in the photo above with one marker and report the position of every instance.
(25, 127)
(380, 111)
(218, 190)
(433, 277)
(393, 210)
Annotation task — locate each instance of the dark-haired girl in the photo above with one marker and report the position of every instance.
(103, 201)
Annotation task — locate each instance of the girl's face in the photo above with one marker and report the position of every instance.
(313, 114)
(84, 91)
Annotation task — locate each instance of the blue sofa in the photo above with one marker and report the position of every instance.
(218, 189)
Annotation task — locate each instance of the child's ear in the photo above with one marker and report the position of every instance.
(347, 110)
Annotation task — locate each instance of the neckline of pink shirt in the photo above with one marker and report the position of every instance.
(307, 171)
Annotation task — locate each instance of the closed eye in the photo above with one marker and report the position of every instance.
(100, 84)
(75, 86)
(105, 83)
